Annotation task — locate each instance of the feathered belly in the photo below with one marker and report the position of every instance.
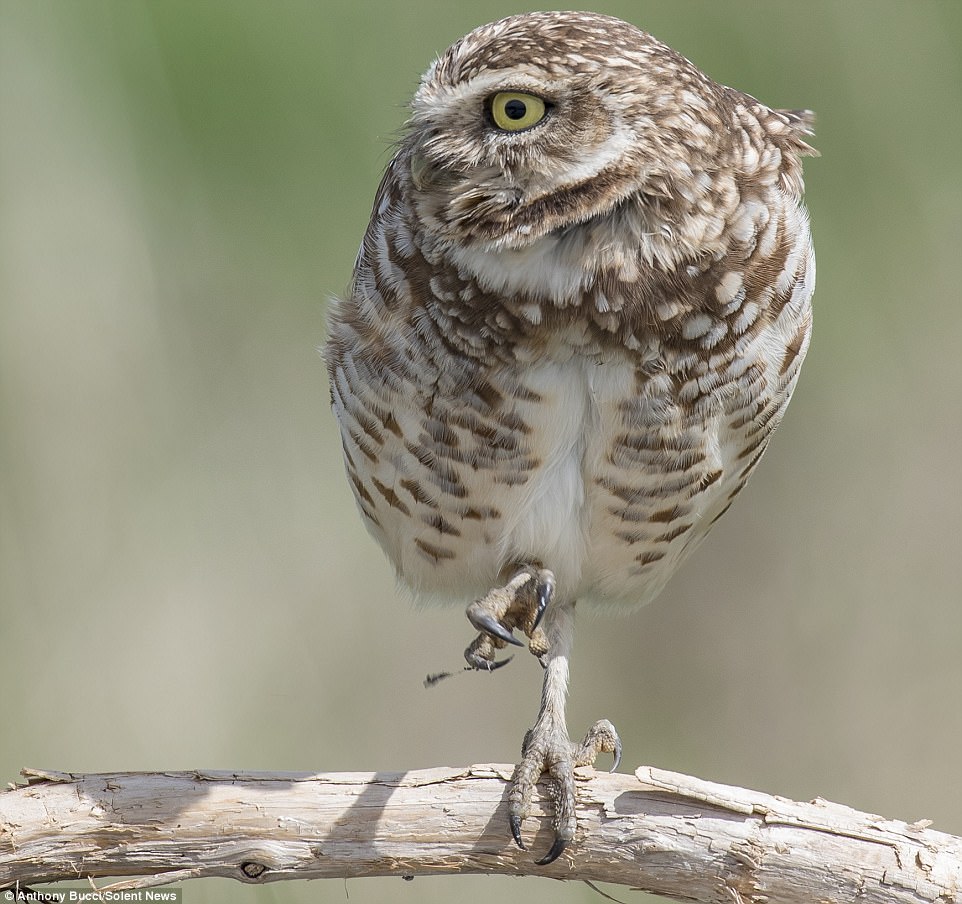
(631, 479)
(593, 468)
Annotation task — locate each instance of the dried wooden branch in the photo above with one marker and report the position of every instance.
(667, 833)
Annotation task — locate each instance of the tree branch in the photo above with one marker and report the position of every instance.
(663, 832)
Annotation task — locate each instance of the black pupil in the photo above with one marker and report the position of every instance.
(515, 109)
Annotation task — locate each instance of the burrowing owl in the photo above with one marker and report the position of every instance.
(576, 317)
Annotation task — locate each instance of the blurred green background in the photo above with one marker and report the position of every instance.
(184, 581)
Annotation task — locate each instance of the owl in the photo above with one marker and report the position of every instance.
(577, 315)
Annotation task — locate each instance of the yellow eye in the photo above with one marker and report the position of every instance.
(513, 111)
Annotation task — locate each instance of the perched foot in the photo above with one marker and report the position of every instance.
(547, 749)
(521, 603)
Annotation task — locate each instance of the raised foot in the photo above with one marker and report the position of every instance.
(520, 604)
(547, 749)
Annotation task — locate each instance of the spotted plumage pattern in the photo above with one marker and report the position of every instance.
(565, 347)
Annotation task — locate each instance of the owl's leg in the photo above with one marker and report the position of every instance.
(520, 603)
(547, 748)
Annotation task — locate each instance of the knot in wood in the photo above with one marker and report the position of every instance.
(253, 870)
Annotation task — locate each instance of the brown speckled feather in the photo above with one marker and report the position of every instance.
(570, 344)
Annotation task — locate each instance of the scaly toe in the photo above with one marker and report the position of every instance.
(521, 604)
(480, 654)
(602, 737)
(546, 751)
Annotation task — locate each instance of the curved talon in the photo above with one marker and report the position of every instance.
(556, 850)
(544, 597)
(498, 663)
(617, 752)
(490, 625)
(515, 822)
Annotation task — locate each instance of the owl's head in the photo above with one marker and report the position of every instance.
(546, 120)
